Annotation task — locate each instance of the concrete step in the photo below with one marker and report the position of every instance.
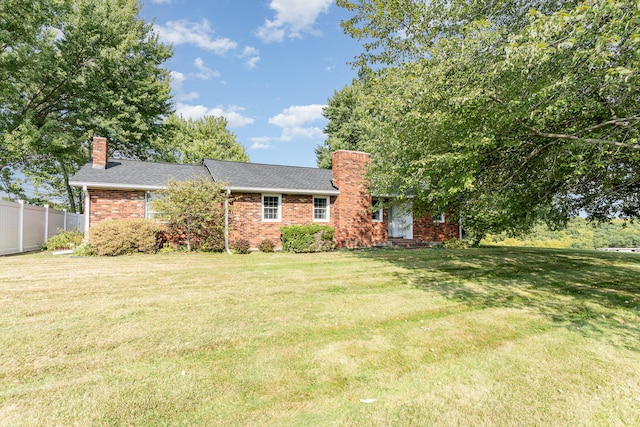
(405, 243)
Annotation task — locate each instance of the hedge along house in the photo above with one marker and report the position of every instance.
(263, 198)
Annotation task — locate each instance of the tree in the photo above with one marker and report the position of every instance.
(193, 212)
(69, 70)
(192, 141)
(505, 117)
(349, 123)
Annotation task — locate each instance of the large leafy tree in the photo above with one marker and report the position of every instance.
(503, 114)
(192, 141)
(69, 70)
(349, 123)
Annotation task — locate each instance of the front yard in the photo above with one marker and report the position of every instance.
(491, 336)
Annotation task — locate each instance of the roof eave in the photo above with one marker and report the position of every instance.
(282, 191)
(111, 186)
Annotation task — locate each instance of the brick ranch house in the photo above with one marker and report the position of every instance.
(263, 198)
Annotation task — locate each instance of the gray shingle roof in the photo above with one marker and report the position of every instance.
(133, 174)
(239, 177)
(256, 177)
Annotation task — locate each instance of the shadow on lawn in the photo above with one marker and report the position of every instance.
(596, 293)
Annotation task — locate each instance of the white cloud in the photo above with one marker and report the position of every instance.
(297, 122)
(260, 143)
(186, 96)
(195, 33)
(205, 72)
(161, 1)
(177, 79)
(297, 115)
(253, 57)
(290, 134)
(232, 113)
(292, 18)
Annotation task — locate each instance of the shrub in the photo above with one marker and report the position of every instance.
(193, 212)
(69, 239)
(124, 237)
(266, 245)
(454, 244)
(84, 249)
(241, 246)
(307, 238)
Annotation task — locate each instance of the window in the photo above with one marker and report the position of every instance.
(439, 218)
(321, 209)
(149, 213)
(271, 207)
(376, 212)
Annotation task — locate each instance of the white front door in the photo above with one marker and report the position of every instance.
(401, 222)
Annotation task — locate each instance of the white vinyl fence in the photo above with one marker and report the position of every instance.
(24, 227)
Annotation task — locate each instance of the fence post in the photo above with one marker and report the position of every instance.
(46, 223)
(21, 227)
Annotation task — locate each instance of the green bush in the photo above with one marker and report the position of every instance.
(266, 245)
(241, 246)
(84, 249)
(307, 238)
(124, 237)
(69, 239)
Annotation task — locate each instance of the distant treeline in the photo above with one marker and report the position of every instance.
(579, 234)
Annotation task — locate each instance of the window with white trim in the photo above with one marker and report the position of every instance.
(271, 207)
(321, 209)
(439, 218)
(376, 211)
(149, 213)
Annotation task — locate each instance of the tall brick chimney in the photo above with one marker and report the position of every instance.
(100, 152)
(352, 217)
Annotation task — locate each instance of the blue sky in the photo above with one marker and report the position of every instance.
(267, 66)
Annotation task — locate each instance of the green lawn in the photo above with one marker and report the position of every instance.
(493, 336)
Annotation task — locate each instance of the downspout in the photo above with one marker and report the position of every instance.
(226, 221)
(460, 229)
(87, 213)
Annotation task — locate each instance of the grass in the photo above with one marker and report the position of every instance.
(489, 336)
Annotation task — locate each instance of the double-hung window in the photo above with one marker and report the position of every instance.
(271, 207)
(149, 212)
(321, 209)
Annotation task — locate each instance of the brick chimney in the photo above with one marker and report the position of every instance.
(100, 152)
(352, 219)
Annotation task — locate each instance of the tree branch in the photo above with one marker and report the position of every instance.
(594, 141)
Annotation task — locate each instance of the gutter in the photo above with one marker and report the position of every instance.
(103, 186)
(226, 221)
(87, 213)
(283, 191)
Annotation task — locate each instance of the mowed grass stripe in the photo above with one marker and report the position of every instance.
(487, 337)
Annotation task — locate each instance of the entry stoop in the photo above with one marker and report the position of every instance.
(406, 243)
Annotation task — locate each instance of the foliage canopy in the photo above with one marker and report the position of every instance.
(192, 141)
(503, 113)
(70, 70)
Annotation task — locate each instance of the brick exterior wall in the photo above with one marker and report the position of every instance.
(425, 230)
(380, 230)
(245, 217)
(353, 223)
(100, 152)
(115, 204)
